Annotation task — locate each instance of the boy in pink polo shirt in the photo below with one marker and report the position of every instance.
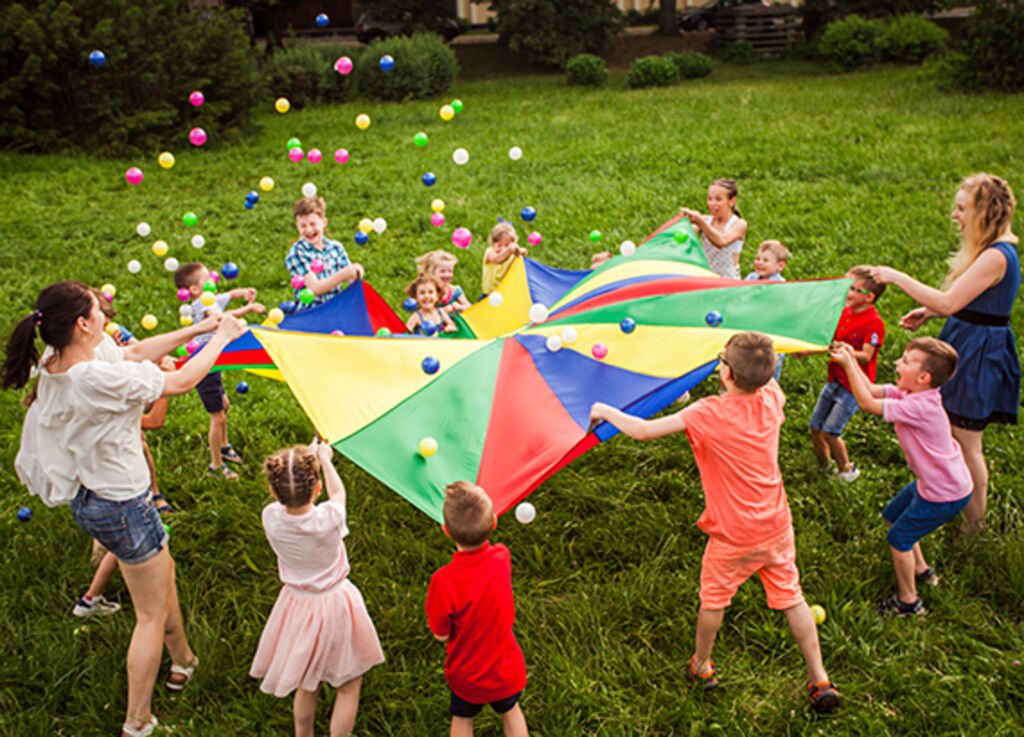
(943, 484)
(470, 608)
(746, 515)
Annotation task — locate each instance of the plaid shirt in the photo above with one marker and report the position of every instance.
(300, 257)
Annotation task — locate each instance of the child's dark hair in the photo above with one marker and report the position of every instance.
(190, 274)
(293, 474)
(468, 514)
(731, 188)
(751, 359)
(308, 205)
(940, 358)
(58, 308)
(424, 279)
(863, 273)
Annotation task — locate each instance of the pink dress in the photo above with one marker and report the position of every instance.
(319, 629)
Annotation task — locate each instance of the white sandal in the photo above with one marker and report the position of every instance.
(185, 674)
(144, 731)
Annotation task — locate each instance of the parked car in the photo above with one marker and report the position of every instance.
(702, 17)
(368, 28)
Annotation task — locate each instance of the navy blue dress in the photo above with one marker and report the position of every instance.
(986, 385)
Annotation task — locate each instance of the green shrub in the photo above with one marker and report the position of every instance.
(691, 65)
(993, 47)
(741, 52)
(305, 74)
(852, 42)
(910, 39)
(551, 32)
(424, 67)
(651, 71)
(585, 70)
(158, 52)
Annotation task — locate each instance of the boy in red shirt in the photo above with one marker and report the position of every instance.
(470, 608)
(861, 328)
(746, 515)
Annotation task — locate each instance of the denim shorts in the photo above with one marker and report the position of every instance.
(211, 392)
(132, 530)
(836, 405)
(459, 707)
(912, 516)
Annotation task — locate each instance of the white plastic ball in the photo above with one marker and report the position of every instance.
(627, 248)
(537, 312)
(569, 335)
(460, 156)
(515, 153)
(495, 299)
(134, 267)
(309, 189)
(198, 241)
(380, 225)
(185, 310)
(143, 229)
(554, 343)
(171, 264)
(525, 513)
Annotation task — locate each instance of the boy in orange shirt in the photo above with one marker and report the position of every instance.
(746, 515)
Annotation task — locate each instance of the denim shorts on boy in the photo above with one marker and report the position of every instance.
(461, 708)
(132, 530)
(912, 516)
(836, 405)
(211, 392)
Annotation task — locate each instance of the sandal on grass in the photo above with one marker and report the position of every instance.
(144, 731)
(180, 675)
(166, 507)
(229, 454)
(708, 680)
(222, 471)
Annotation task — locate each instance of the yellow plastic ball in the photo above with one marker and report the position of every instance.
(159, 248)
(282, 105)
(428, 446)
(366, 225)
(208, 298)
(437, 205)
(110, 328)
(109, 289)
(447, 112)
(166, 159)
(186, 320)
(818, 612)
(362, 121)
(266, 184)
(148, 322)
(275, 315)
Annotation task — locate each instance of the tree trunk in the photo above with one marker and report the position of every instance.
(667, 25)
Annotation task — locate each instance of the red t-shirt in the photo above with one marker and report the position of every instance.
(858, 328)
(470, 601)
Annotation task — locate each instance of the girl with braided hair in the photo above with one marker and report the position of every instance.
(319, 630)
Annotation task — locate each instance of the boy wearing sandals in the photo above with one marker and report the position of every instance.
(942, 486)
(193, 277)
(746, 516)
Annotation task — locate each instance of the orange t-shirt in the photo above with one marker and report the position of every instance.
(735, 439)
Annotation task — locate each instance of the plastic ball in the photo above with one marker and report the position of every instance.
(387, 63)
(171, 263)
(428, 327)
(515, 153)
(184, 295)
(427, 447)
(447, 112)
(266, 184)
(361, 238)
(134, 175)
(197, 136)
(242, 388)
(437, 205)
(362, 121)
(628, 325)
(189, 219)
(282, 105)
(599, 350)
(343, 65)
(198, 241)
(97, 58)
(553, 343)
(208, 298)
(248, 205)
(379, 225)
(293, 142)
(537, 312)
(287, 307)
(410, 304)
(681, 236)
(437, 219)
(383, 333)
(314, 156)
(143, 229)
(166, 159)
(528, 214)
(627, 248)
(430, 365)
(569, 335)
(185, 309)
(316, 266)
(818, 612)
(148, 322)
(196, 98)
(252, 196)
(420, 139)
(275, 315)
(595, 236)
(495, 299)
(298, 282)
(309, 189)
(109, 289)
(180, 351)
(306, 295)
(429, 179)
(229, 270)
(192, 346)
(25, 513)
(535, 238)
(713, 318)
(456, 105)
(322, 20)
(462, 237)
(296, 154)
(134, 267)
(525, 513)
(460, 156)
(341, 156)
(185, 320)
(216, 278)
(112, 327)
(366, 225)
(339, 333)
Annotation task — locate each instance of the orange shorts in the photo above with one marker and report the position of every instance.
(727, 566)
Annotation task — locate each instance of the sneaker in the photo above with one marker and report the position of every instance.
(896, 608)
(829, 469)
(98, 606)
(927, 577)
(849, 476)
(824, 696)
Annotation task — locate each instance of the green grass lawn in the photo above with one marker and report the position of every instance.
(844, 169)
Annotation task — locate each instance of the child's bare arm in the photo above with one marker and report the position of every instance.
(636, 427)
(332, 481)
(413, 322)
(868, 395)
(155, 416)
(864, 354)
(245, 310)
(246, 293)
(151, 349)
(322, 285)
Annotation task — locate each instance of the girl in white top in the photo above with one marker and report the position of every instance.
(90, 449)
(722, 230)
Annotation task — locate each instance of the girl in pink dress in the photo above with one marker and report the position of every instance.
(319, 629)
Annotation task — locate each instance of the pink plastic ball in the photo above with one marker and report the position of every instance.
(215, 276)
(298, 282)
(341, 156)
(343, 65)
(184, 295)
(108, 296)
(295, 154)
(337, 332)
(197, 136)
(314, 156)
(196, 98)
(535, 238)
(316, 266)
(192, 346)
(462, 238)
(133, 175)
(599, 350)
(437, 219)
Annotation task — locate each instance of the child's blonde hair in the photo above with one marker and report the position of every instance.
(424, 279)
(776, 249)
(750, 357)
(293, 474)
(989, 215)
(502, 228)
(468, 514)
(429, 261)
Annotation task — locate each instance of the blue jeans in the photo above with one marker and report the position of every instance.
(836, 405)
(912, 516)
(132, 530)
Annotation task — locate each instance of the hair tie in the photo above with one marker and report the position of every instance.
(37, 316)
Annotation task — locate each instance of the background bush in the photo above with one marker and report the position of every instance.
(585, 70)
(691, 65)
(553, 31)
(741, 52)
(993, 48)
(158, 51)
(852, 42)
(305, 74)
(652, 71)
(424, 67)
(911, 39)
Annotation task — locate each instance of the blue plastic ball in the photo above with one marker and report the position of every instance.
(287, 307)
(362, 238)
(98, 58)
(430, 365)
(25, 514)
(229, 270)
(242, 388)
(387, 63)
(410, 304)
(528, 214)
(428, 327)
(628, 325)
(713, 318)
(249, 205)
(252, 196)
(322, 20)
(429, 179)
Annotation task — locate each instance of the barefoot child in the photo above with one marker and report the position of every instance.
(319, 630)
(501, 253)
(441, 265)
(722, 230)
(747, 517)
(428, 319)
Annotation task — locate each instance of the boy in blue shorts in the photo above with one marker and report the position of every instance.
(943, 484)
(322, 263)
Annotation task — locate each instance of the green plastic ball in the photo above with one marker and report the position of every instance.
(210, 286)
(294, 143)
(190, 219)
(180, 351)
(595, 235)
(383, 332)
(457, 105)
(306, 295)
(420, 139)
(681, 236)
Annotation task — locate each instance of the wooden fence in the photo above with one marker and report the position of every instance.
(768, 29)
